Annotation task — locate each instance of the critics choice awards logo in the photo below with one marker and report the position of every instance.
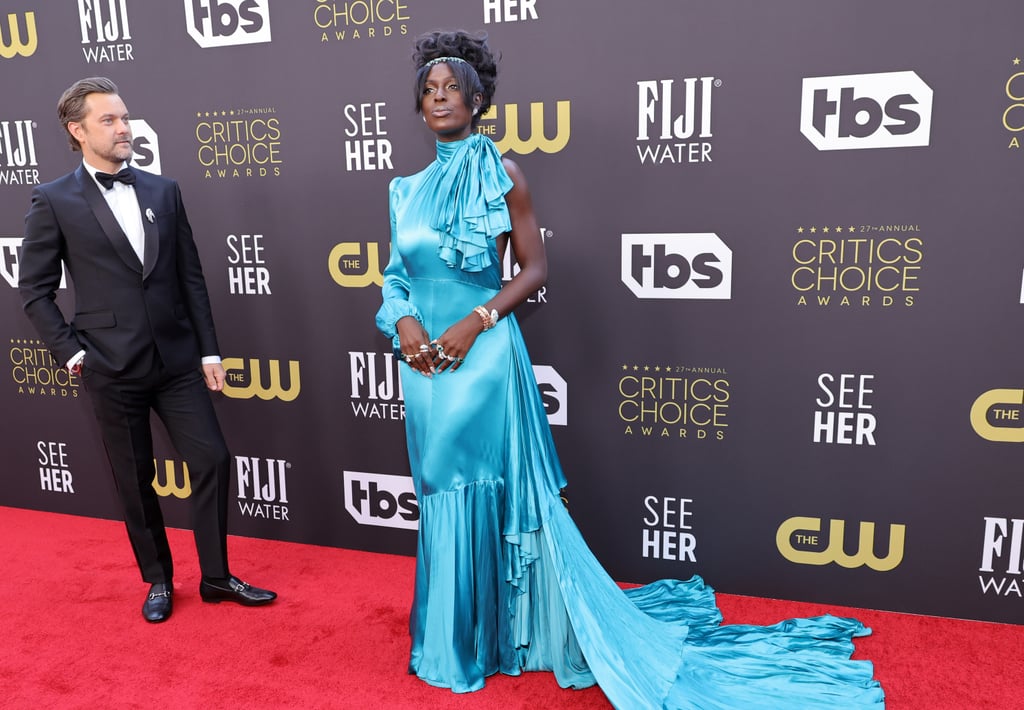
(674, 120)
(239, 143)
(106, 35)
(341, 20)
(1013, 116)
(18, 162)
(35, 373)
(871, 265)
(668, 401)
(1002, 553)
(888, 110)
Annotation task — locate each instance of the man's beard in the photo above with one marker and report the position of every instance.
(117, 153)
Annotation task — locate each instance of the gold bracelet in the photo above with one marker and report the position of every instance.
(489, 319)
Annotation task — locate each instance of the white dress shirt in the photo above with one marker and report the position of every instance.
(124, 205)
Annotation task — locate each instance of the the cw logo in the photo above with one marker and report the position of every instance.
(237, 377)
(25, 49)
(170, 485)
(538, 139)
(806, 530)
(349, 255)
(1006, 404)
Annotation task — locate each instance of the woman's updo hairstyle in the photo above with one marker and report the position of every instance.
(476, 75)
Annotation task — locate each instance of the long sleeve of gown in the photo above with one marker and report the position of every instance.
(395, 291)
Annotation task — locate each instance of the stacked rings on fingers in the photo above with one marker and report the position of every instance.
(424, 348)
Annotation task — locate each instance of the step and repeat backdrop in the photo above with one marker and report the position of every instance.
(780, 346)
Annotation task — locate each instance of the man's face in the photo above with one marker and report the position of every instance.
(104, 133)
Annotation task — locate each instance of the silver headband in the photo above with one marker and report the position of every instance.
(432, 62)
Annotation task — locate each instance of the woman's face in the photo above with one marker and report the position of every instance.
(443, 105)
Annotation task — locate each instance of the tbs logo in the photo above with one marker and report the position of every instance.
(380, 499)
(222, 23)
(554, 392)
(145, 146)
(690, 266)
(891, 110)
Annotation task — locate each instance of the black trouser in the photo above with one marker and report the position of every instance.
(183, 403)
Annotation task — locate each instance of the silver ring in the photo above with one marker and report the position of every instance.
(424, 348)
(418, 355)
(450, 358)
(407, 357)
(440, 349)
(460, 360)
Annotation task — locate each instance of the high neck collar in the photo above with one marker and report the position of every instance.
(446, 150)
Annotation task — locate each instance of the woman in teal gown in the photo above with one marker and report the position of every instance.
(504, 581)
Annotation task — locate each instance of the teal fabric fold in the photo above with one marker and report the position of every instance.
(469, 205)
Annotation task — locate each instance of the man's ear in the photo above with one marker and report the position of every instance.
(76, 130)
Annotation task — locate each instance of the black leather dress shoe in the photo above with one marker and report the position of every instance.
(157, 606)
(233, 589)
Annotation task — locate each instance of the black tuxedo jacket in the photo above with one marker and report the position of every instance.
(123, 308)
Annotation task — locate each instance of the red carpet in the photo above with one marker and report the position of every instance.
(72, 636)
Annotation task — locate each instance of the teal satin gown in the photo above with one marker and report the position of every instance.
(504, 580)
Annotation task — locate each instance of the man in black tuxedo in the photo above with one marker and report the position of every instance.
(142, 335)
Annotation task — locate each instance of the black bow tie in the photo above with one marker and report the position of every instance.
(107, 180)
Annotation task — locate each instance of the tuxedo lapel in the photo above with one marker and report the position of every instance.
(107, 221)
(147, 199)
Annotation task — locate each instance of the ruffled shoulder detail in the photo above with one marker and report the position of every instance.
(469, 192)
